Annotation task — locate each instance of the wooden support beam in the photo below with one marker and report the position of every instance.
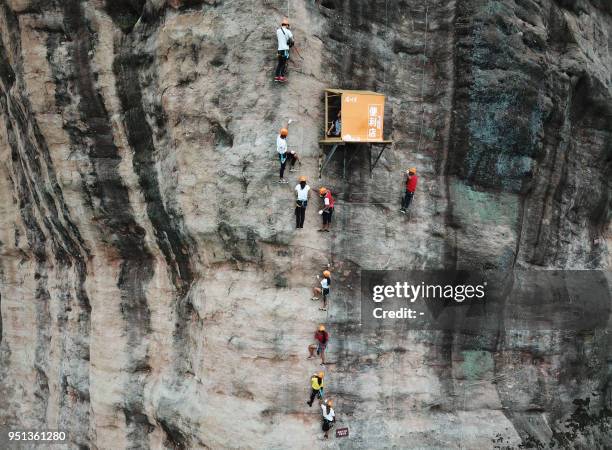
(373, 165)
(326, 115)
(328, 159)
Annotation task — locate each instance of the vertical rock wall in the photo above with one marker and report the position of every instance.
(153, 290)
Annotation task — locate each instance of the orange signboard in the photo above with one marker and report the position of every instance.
(362, 117)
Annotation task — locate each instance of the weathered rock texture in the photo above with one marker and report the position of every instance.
(153, 290)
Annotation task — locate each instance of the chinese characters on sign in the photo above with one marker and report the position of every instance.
(363, 115)
(375, 121)
(342, 432)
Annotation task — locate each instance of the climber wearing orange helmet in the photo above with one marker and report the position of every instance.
(324, 289)
(328, 416)
(302, 191)
(281, 148)
(328, 208)
(285, 42)
(411, 184)
(316, 384)
(322, 338)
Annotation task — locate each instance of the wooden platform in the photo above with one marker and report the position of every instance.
(337, 142)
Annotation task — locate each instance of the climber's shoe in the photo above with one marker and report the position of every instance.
(403, 211)
(277, 78)
(282, 79)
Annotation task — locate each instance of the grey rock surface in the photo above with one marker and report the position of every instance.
(153, 290)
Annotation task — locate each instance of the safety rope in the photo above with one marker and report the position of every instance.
(386, 34)
(423, 76)
(394, 362)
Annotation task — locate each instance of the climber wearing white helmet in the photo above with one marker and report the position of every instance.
(292, 159)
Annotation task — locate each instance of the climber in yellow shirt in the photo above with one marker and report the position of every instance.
(316, 383)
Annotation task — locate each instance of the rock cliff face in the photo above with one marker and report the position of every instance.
(154, 293)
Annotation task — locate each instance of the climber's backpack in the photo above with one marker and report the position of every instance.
(290, 41)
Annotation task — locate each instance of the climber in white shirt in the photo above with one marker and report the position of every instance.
(281, 148)
(285, 42)
(323, 290)
(329, 417)
(302, 191)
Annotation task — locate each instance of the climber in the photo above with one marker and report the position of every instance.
(323, 290)
(411, 184)
(322, 338)
(329, 416)
(328, 208)
(302, 191)
(316, 384)
(292, 159)
(285, 42)
(281, 148)
(335, 128)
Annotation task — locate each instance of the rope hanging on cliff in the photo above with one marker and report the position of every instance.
(423, 77)
(386, 33)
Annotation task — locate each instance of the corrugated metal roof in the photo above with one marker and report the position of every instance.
(352, 91)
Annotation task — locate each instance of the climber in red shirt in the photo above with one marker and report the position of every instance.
(411, 184)
(322, 338)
